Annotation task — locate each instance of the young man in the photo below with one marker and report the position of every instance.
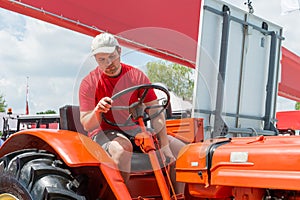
(96, 89)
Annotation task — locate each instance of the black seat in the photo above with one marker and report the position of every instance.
(70, 119)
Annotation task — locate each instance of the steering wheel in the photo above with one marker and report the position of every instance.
(138, 108)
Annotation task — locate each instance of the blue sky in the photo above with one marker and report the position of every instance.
(55, 58)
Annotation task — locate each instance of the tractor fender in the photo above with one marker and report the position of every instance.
(75, 149)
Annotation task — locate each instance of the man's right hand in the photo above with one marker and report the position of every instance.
(104, 105)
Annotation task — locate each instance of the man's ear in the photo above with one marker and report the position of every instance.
(119, 50)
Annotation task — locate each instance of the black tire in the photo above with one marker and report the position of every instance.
(37, 175)
(9, 186)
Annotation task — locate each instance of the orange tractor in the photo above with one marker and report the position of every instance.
(233, 150)
(62, 164)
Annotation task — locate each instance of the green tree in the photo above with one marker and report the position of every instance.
(179, 79)
(2, 103)
(297, 106)
(46, 112)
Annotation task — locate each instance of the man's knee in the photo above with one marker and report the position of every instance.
(124, 142)
(175, 145)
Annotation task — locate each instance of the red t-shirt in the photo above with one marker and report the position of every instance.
(97, 85)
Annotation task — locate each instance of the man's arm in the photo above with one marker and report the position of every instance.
(92, 119)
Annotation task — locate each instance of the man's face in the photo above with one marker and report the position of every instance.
(109, 63)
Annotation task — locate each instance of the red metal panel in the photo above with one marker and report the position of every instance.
(270, 162)
(288, 120)
(170, 25)
(289, 87)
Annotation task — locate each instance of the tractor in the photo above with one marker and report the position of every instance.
(233, 149)
(67, 164)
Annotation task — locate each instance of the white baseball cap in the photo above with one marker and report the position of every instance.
(104, 43)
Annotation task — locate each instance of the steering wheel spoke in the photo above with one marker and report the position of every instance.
(127, 122)
(120, 108)
(138, 109)
(144, 95)
(155, 106)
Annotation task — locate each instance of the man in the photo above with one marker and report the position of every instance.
(97, 88)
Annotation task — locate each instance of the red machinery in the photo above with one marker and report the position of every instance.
(288, 122)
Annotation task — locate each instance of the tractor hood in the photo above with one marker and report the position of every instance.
(260, 162)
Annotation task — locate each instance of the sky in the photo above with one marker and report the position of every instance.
(52, 60)
(49, 59)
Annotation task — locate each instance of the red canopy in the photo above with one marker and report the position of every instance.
(164, 28)
(289, 86)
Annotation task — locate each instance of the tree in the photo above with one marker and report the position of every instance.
(2, 103)
(178, 78)
(297, 106)
(46, 112)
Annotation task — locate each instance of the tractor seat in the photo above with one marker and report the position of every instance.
(140, 162)
(70, 120)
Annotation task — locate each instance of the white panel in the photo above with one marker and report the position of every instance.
(247, 68)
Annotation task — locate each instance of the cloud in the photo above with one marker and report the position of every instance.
(288, 6)
(44, 50)
(55, 59)
(12, 23)
(49, 55)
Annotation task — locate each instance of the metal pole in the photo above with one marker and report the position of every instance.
(27, 91)
(270, 84)
(219, 123)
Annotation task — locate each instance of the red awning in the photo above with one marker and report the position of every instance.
(289, 86)
(164, 28)
(288, 120)
(167, 29)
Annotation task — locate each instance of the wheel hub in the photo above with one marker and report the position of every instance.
(6, 196)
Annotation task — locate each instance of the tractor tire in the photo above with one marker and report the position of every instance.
(36, 175)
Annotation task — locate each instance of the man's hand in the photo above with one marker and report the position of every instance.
(104, 105)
